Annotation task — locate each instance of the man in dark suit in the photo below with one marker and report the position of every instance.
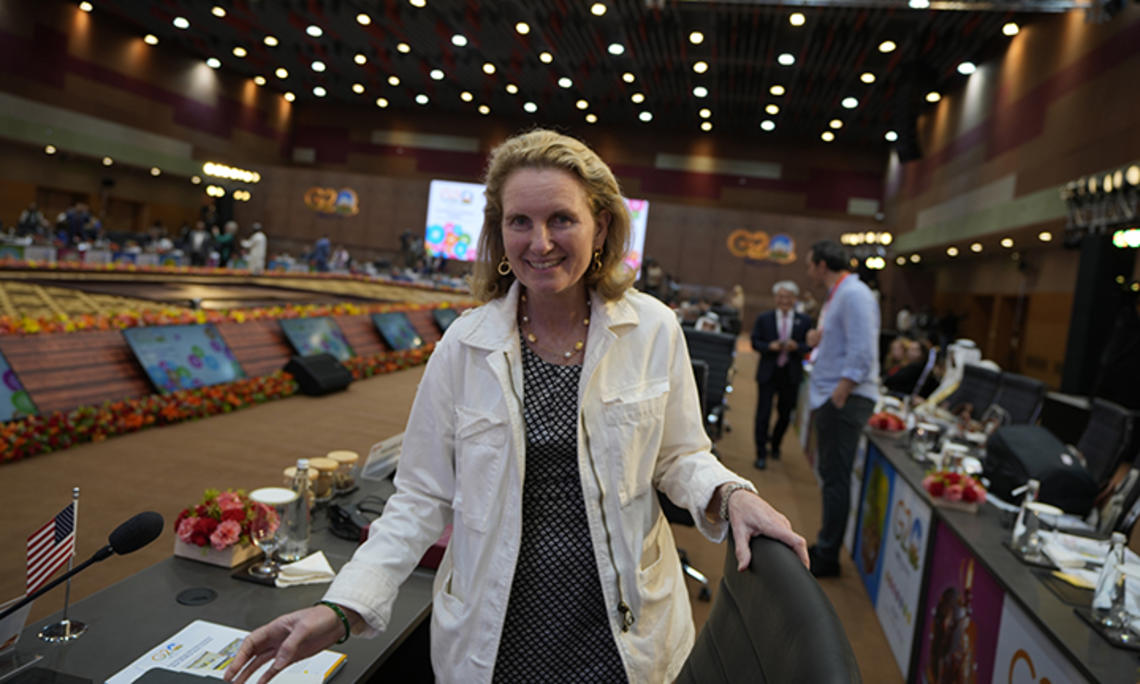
(780, 337)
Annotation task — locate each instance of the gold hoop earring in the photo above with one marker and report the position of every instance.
(597, 265)
(504, 267)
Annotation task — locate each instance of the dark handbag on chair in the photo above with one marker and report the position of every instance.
(1017, 453)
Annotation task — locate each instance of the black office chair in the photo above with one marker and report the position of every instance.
(770, 624)
(1020, 397)
(1107, 435)
(718, 350)
(977, 388)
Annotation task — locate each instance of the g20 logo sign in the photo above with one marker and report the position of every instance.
(333, 202)
(758, 246)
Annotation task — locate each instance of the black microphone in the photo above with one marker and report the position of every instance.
(128, 537)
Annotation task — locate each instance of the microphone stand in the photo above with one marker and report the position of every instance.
(101, 554)
(67, 629)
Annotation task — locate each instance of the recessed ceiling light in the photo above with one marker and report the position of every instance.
(436, 74)
(835, 123)
(523, 28)
(155, 171)
(1007, 242)
(281, 72)
(459, 40)
(700, 91)
(952, 251)
(214, 63)
(319, 91)
(976, 247)
(488, 68)
(86, 6)
(827, 136)
(867, 77)
(314, 31)
(597, 9)
(317, 65)
(393, 80)
(891, 136)
(218, 11)
(418, 3)
(768, 125)
(259, 80)
(591, 118)
(849, 103)
(239, 51)
(363, 19)
(484, 110)
(915, 258)
(933, 96)
(645, 116)
(967, 68)
(466, 96)
(696, 37)
(777, 90)
(637, 98)
(181, 23)
(565, 82)
(358, 88)
(706, 126)
(919, 4)
(49, 149)
(512, 89)
(381, 102)
(786, 59)
(1045, 236)
(701, 67)
(582, 104)
(107, 161)
(545, 57)
(150, 39)
(705, 113)
(616, 49)
(900, 260)
(530, 107)
(403, 48)
(628, 77)
(1010, 29)
(271, 41)
(773, 109)
(360, 58)
(796, 19)
(422, 99)
(887, 46)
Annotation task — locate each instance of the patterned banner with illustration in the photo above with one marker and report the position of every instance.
(1025, 655)
(759, 246)
(14, 399)
(874, 512)
(332, 202)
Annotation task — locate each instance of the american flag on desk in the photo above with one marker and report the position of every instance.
(50, 547)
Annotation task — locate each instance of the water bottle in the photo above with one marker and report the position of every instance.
(296, 543)
(1109, 597)
(1020, 540)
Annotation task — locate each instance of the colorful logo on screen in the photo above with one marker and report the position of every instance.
(758, 246)
(341, 202)
(636, 206)
(192, 366)
(17, 396)
(449, 241)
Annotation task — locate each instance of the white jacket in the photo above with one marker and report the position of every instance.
(639, 429)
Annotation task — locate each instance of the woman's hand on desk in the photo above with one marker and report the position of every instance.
(291, 637)
(751, 516)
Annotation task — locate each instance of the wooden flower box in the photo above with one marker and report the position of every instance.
(227, 558)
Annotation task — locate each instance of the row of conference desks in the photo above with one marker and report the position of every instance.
(954, 602)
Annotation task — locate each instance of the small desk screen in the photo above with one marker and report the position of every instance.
(15, 402)
(444, 317)
(316, 335)
(397, 331)
(178, 357)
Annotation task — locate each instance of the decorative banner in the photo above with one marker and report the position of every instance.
(454, 219)
(758, 246)
(904, 561)
(638, 222)
(332, 202)
(1025, 655)
(871, 533)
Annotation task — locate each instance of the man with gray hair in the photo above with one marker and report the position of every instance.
(780, 337)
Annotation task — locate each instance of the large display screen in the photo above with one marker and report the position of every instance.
(397, 331)
(316, 335)
(15, 402)
(177, 357)
(455, 219)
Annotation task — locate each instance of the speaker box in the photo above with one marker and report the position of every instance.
(318, 374)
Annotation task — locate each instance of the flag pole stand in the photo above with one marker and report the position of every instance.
(66, 629)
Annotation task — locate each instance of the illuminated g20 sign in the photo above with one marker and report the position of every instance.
(758, 246)
(334, 202)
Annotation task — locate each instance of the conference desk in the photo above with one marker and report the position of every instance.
(130, 617)
(1021, 625)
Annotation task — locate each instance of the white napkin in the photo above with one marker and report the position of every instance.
(312, 569)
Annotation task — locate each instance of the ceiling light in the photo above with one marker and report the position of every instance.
(259, 80)
(976, 247)
(403, 48)
(314, 31)
(289, 96)
(952, 251)
(849, 103)
(459, 40)
(919, 4)
(523, 28)
(107, 161)
(786, 59)
(933, 96)
(393, 80)
(1007, 242)
(768, 125)
(281, 72)
(700, 91)
(545, 57)
(565, 82)
(422, 99)
(155, 171)
(318, 65)
(319, 91)
(363, 19)
(150, 39)
(239, 51)
(181, 23)
(1010, 29)
(827, 136)
(701, 67)
(360, 58)
(436, 74)
(645, 116)
(488, 68)
(484, 110)
(597, 9)
(530, 107)
(582, 104)
(628, 77)
(900, 260)
(218, 11)
(967, 68)
(891, 136)
(418, 3)
(1045, 236)
(512, 89)
(271, 41)
(777, 90)
(1132, 175)
(915, 258)
(49, 149)
(466, 96)
(696, 37)
(887, 46)
(616, 48)
(772, 109)
(637, 98)
(705, 113)
(706, 126)
(835, 123)
(195, 179)
(591, 118)
(867, 77)
(796, 19)
(381, 102)
(358, 88)
(214, 63)
(86, 6)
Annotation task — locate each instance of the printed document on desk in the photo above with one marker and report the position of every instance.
(206, 649)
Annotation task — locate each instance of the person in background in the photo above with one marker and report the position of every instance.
(319, 257)
(843, 389)
(736, 300)
(896, 356)
(780, 336)
(224, 242)
(32, 221)
(560, 562)
(916, 358)
(904, 320)
(256, 246)
(340, 259)
(807, 305)
(198, 244)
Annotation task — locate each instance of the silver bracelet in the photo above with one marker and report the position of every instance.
(727, 493)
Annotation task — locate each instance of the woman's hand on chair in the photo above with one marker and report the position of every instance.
(751, 516)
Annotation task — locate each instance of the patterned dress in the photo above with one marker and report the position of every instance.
(556, 628)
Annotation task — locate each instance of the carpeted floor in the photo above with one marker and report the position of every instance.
(166, 469)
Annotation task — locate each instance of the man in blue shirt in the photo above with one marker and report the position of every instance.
(842, 391)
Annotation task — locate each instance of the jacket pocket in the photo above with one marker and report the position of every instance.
(656, 573)
(480, 452)
(634, 419)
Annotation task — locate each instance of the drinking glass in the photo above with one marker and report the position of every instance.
(268, 511)
(923, 440)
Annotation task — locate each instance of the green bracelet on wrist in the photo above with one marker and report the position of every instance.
(343, 619)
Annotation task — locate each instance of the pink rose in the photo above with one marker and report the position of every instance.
(186, 529)
(953, 492)
(225, 535)
(228, 501)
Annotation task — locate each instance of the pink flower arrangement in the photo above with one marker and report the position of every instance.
(954, 487)
(221, 520)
